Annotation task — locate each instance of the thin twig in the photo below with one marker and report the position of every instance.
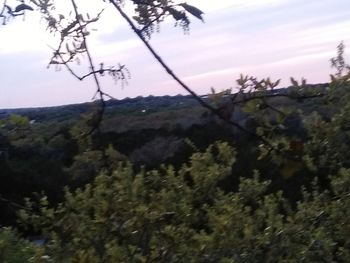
(94, 72)
(12, 203)
(3, 8)
(273, 108)
(101, 71)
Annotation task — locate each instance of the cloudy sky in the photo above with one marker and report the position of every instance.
(276, 38)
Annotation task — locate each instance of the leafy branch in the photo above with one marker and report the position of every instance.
(338, 62)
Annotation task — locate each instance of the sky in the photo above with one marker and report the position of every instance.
(263, 38)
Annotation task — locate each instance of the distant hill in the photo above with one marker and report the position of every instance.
(134, 106)
(127, 105)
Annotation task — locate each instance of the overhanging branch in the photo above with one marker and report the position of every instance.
(180, 82)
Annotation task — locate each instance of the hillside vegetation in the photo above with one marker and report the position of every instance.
(257, 175)
(166, 181)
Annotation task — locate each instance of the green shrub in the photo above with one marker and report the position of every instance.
(14, 249)
(183, 216)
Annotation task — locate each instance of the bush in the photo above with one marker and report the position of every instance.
(14, 249)
(183, 216)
